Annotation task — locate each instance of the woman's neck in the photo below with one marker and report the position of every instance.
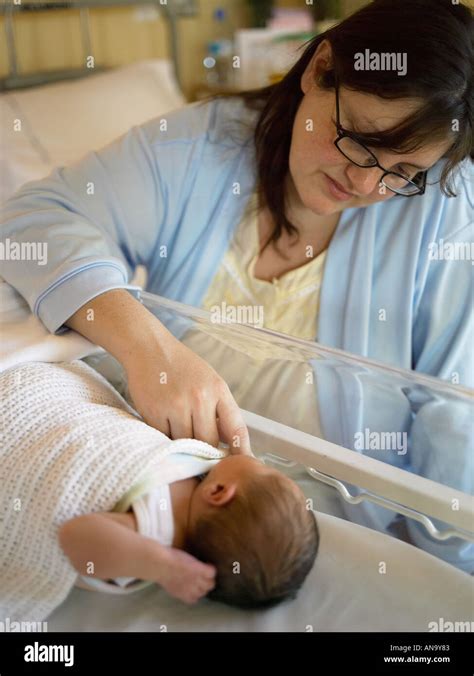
(314, 231)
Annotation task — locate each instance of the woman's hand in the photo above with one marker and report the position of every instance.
(172, 388)
(180, 394)
(185, 577)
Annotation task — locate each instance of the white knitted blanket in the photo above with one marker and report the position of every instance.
(69, 445)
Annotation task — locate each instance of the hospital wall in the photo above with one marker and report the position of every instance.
(52, 40)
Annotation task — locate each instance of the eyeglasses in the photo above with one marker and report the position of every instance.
(356, 152)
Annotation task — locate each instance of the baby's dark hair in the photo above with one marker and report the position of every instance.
(263, 543)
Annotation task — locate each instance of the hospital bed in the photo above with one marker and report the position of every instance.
(379, 515)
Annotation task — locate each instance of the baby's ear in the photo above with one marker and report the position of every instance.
(218, 494)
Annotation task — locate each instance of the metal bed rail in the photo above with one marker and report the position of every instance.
(390, 487)
(395, 489)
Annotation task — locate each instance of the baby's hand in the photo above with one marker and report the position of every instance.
(185, 577)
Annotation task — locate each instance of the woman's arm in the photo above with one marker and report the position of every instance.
(96, 220)
(106, 545)
(172, 388)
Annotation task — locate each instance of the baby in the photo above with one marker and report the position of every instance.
(240, 534)
(194, 520)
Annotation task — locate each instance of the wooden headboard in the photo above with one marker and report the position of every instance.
(170, 10)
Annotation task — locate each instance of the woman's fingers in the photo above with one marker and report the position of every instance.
(181, 424)
(205, 421)
(232, 427)
(160, 422)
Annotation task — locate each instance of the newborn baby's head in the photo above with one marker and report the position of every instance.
(252, 523)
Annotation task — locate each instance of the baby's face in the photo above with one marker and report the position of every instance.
(225, 479)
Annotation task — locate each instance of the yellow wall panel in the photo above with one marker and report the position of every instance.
(52, 40)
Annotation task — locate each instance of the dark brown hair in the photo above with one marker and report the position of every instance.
(438, 38)
(263, 544)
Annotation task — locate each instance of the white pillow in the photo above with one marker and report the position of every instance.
(63, 121)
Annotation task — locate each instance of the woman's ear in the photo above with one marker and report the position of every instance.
(320, 62)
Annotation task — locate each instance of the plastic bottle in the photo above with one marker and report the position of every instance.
(218, 61)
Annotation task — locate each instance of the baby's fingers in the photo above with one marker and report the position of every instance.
(206, 585)
(208, 572)
(193, 597)
(201, 589)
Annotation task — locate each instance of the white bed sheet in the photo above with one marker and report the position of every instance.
(344, 592)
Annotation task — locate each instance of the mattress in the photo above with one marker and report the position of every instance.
(362, 580)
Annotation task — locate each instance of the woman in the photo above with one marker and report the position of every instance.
(170, 194)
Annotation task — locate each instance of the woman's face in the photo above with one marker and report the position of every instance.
(314, 159)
